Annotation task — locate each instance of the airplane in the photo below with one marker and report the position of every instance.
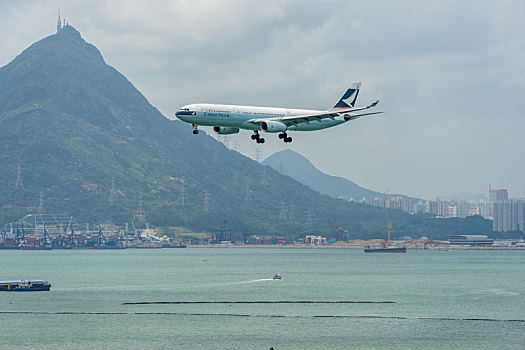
(229, 119)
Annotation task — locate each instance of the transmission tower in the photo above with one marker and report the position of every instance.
(235, 146)
(281, 167)
(226, 141)
(248, 195)
(309, 216)
(19, 182)
(282, 214)
(59, 22)
(113, 191)
(140, 215)
(181, 199)
(258, 154)
(41, 203)
(206, 200)
(264, 181)
(291, 215)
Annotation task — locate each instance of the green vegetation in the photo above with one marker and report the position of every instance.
(78, 129)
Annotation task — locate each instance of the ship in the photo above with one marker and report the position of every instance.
(25, 286)
(387, 247)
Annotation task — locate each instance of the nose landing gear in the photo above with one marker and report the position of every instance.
(195, 130)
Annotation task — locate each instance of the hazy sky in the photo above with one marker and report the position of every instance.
(450, 76)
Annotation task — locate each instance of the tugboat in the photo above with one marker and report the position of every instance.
(386, 247)
(277, 276)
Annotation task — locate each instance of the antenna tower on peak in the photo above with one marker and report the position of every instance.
(59, 22)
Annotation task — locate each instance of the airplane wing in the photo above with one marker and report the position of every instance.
(346, 113)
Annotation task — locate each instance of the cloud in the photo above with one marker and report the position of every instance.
(450, 76)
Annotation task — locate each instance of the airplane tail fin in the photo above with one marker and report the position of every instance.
(349, 97)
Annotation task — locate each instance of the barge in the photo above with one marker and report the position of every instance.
(25, 286)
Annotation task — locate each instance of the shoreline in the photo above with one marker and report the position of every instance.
(349, 246)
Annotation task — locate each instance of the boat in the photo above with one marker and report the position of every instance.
(30, 247)
(25, 286)
(277, 276)
(387, 247)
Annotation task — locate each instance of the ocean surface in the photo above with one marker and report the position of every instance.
(440, 299)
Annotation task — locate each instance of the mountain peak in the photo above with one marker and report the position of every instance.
(298, 167)
(63, 71)
(69, 31)
(70, 43)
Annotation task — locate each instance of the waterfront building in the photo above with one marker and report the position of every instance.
(473, 240)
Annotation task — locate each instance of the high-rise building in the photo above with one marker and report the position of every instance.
(521, 216)
(505, 216)
(498, 195)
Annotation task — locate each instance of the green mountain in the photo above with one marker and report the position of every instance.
(91, 144)
(296, 166)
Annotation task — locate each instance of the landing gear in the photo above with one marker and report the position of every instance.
(284, 136)
(257, 137)
(195, 130)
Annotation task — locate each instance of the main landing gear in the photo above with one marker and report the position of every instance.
(195, 130)
(257, 137)
(284, 136)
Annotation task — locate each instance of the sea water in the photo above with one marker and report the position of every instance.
(466, 299)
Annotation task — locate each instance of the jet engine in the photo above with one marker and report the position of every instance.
(273, 126)
(225, 131)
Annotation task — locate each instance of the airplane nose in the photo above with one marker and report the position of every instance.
(184, 113)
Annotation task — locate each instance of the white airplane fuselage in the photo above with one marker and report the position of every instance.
(234, 116)
(230, 119)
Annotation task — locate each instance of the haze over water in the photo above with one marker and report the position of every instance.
(443, 299)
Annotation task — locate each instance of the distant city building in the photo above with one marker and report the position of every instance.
(505, 216)
(420, 207)
(521, 216)
(498, 195)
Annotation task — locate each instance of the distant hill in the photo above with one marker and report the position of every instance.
(296, 166)
(87, 140)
